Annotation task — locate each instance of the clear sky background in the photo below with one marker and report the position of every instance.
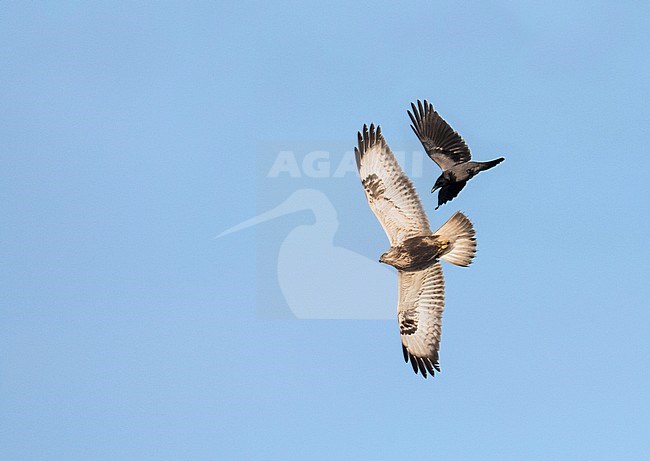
(131, 134)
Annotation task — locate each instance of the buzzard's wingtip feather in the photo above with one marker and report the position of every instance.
(414, 365)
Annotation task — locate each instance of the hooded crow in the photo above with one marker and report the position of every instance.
(447, 149)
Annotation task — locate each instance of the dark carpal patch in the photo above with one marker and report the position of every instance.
(408, 324)
(373, 186)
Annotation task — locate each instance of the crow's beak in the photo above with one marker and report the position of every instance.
(434, 188)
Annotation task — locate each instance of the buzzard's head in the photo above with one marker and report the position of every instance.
(388, 257)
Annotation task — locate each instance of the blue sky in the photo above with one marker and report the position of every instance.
(133, 133)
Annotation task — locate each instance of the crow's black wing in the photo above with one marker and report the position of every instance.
(449, 192)
(440, 141)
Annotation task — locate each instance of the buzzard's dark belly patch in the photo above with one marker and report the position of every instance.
(418, 252)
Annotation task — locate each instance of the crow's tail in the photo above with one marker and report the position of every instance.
(491, 163)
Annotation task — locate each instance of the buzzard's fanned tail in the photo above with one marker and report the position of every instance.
(459, 231)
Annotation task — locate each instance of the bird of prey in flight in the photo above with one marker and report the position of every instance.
(447, 149)
(414, 251)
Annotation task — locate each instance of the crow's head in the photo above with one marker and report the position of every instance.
(440, 182)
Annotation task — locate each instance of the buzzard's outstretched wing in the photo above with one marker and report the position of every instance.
(389, 191)
(442, 143)
(419, 314)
